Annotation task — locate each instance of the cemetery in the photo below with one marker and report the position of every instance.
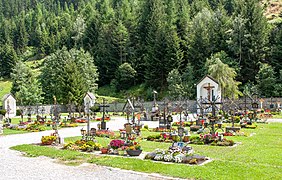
(184, 133)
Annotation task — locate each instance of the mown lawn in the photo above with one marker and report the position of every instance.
(256, 157)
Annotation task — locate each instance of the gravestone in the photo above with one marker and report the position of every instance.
(9, 104)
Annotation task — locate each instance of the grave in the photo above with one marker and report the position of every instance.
(9, 104)
(103, 106)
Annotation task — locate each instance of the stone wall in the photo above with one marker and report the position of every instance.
(118, 107)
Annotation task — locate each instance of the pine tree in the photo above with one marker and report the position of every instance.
(255, 39)
(8, 59)
(20, 35)
(58, 79)
(266, 80)
(200, 47)
(175, 85)
(188, 82)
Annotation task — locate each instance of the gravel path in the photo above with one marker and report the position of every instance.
(14, 166)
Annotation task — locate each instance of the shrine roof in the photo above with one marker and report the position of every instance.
(91, 95)
(210, 77)
(6, 96)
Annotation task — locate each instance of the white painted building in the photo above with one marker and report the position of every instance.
(208, 90)
(89, 101)
(9, 103)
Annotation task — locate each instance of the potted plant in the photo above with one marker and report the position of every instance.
(104, 150)
(134, 149)
(48, 140)
(115, 145)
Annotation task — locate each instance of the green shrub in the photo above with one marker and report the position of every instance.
(95, 108)
(3, 112)
(18, 112)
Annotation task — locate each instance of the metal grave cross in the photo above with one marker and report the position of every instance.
(103, 123)
(209, 88)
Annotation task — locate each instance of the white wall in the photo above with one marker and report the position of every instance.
(12, 104)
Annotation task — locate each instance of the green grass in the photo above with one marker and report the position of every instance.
(257, 157)
(5, 88)
(278, 116)
(11, 131)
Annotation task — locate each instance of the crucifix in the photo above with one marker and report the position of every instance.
(103, 123)
(209, 88)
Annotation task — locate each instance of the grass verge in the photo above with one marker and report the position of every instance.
(256, 157)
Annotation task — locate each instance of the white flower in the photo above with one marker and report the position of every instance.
(158, 157)
(178, 158)
(168, 157)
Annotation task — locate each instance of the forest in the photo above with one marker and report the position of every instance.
(164, 45)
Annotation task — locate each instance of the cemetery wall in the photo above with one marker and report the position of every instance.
(118, 107)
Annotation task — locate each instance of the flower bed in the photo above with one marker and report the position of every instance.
(33, 127)
(68, 125)
(184, 123)
(80, 120)
(86, 146)
(160, 138)
(105, 133)
(157, 129)
(100, 119)
(176, 155)
(209, 139)
(48, 140)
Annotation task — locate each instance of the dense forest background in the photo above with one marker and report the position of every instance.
(163, 45)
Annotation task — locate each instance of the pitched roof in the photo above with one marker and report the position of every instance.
(6, 96)
(208, 77)
(91, 95)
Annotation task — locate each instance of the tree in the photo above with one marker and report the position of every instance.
(278, 85)
(199, 47)
(175, 87)
(20, 35)
(162, 53)
(120, 42)
(79, 27)
(253, 46)
(70, 73)
(124, 77)
(188, 81)
(25, 85)
(266, 80)
(8, 59)
(275, 55)
(225, 75)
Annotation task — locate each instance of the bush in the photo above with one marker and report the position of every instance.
(18, 112)
(3, 112)
(146, 127)
(95, 108)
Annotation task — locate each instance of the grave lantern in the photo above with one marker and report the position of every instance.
(122, 135)
(83, 132)
(92, 132)
(180, 132)
(255, 105)
(169, 118)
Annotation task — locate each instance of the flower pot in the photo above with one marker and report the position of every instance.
(104, 150)
(186, 138)
(133, 152)
(47, 143)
